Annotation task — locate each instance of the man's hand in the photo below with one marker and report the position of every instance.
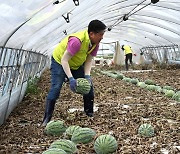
(73, 84)
(88, 77)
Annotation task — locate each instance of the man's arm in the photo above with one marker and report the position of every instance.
(73, 47)
(133, 52)
(64, 62)
(88, 64)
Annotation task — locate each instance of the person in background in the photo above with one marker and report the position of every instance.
(72, 59)
(128, 54)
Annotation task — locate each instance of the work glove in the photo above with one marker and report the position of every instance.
(73, 84)
(88, 77)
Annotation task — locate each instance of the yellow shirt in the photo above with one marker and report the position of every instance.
(127, 49)
(80, 57)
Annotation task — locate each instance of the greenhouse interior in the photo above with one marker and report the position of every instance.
(90, 76)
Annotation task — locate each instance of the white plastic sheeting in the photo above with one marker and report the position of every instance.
(39, 24)
(17, 68)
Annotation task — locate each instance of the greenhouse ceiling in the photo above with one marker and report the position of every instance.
(40, 24)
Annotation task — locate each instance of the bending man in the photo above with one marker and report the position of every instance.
(72, 58)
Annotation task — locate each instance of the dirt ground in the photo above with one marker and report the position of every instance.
(121, 108)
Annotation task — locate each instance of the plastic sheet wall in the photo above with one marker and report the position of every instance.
(162, 54)
(16, 67)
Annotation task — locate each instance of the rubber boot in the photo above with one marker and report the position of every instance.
(48, 112)
(126, 65)
(132, 65)
(88, 105)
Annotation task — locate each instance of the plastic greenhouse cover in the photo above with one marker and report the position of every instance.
(39, 25)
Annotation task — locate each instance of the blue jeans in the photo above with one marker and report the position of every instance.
(57, 79)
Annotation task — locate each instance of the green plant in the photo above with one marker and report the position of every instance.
(120, 76)
(134, 81)
(32, 87)
(151, 87)
(149, 82)
(168, 87)
(176, 96)
(142, 84)
(126, 79)
(158, 89)
(169, 93)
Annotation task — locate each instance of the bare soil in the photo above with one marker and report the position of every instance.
(121, 108)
